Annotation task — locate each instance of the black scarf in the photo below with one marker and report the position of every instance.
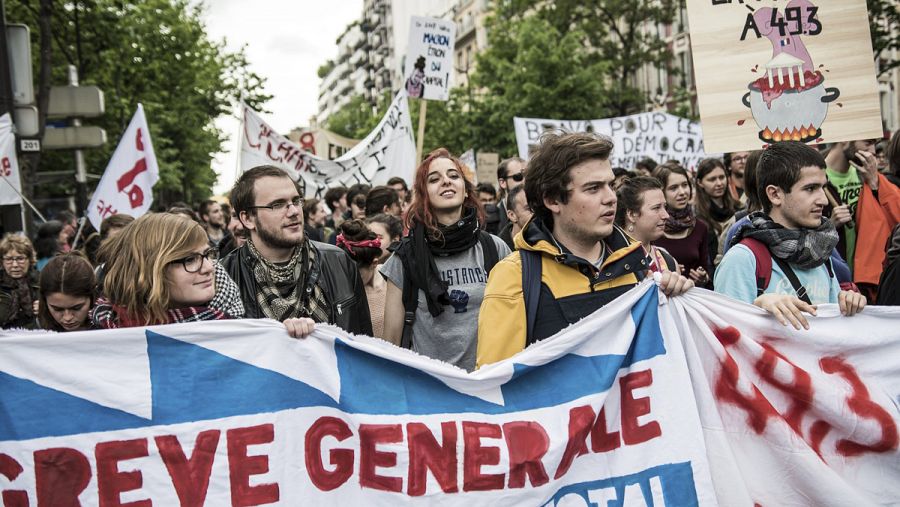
(719, 213)
(804, 248)
(22, 294)
(417, 252)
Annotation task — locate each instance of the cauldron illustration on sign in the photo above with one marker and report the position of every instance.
(789, 104)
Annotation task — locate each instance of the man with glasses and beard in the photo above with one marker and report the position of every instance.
(281, 273)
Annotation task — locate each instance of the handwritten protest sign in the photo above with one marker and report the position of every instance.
(770, 71)
(692, 400)
(322, 143)
(429, 58)
(387, 151)
(660, 136)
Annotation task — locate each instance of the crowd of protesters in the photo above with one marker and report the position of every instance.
(471, 274)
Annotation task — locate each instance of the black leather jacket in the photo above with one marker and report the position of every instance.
(341, 282)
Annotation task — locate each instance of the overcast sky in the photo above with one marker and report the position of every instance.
(286, 41)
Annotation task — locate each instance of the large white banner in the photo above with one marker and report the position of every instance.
(660, 136)
(11, 186)
(694, 400)
(429, 58)
(127, 183)
(387, 151)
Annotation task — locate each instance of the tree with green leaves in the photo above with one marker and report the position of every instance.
(155, 52)
(617, 34)
(884, 24)
(356, 119)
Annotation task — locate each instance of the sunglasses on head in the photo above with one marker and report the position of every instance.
(516, 177)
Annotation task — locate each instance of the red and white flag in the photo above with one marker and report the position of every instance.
(127, 183)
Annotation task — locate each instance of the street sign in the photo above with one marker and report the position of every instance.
(81, 101)
(26, 120)
(70, 138)
(30, 144)
(18, 40)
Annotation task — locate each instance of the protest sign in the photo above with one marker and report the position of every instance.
(772, 71)
(127, 183)
(660, 136)
(693, 400)
(322, 143)
(387, 151)
(11, 187)
(486, 167)
(429, 58)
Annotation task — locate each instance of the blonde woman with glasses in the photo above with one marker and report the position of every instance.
(161, 270)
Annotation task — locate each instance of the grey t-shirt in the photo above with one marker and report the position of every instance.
(452, 336)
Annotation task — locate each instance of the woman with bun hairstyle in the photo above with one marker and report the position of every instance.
(441, 268)
(68, 291)
(364, 247)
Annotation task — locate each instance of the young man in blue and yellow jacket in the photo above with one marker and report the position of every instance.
(571, 258)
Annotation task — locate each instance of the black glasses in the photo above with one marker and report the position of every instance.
(192, 263)
(282, 206)
(516, 177)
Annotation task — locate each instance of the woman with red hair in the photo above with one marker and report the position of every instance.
(437, 275)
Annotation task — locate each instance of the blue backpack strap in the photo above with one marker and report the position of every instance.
(531, 290)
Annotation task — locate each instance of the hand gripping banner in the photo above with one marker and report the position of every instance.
(694, 400)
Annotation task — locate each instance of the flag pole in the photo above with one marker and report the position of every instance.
(81, 222)
(24, 199)
(420, 138)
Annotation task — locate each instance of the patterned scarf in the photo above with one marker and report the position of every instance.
(106, 315)
(680, 220)
(287, 291)
(804, 248)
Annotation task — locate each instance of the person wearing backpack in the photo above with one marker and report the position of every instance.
(437, 275)
(571, 258)
(781, 260)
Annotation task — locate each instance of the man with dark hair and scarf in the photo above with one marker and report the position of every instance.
(281, 273)
(790, 185)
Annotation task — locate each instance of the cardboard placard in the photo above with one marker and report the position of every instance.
(487, 168)
(770, 71)
(429, 58)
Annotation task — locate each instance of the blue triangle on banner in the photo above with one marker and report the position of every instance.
(35, 411)
(188, 383)
(374, 385)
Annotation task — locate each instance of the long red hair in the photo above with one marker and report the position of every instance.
(420, 208)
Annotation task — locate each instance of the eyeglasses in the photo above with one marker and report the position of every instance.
(15, 260)
(739, 158)
(192, 263)
(282, 206)
(516, 177)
